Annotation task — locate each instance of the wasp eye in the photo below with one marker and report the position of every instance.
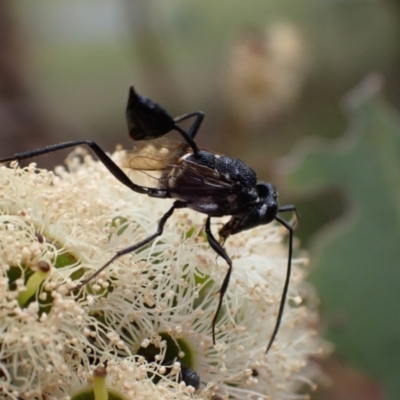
(266, 190)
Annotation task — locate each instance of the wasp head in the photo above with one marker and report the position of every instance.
(260, 212)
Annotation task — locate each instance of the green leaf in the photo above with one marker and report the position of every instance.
(356, 260)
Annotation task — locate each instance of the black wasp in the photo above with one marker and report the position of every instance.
(215, 185)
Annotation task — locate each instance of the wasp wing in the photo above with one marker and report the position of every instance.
(155, 155)
(164, 162)
(206, 189)
(147, 162)
(200, 178)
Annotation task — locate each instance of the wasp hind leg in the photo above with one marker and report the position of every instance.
(196, 124)
(191, 133)
(97, 150)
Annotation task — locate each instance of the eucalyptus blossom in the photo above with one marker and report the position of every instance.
(145, 321)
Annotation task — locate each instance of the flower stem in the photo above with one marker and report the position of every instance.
(34, 282)
(99, 384)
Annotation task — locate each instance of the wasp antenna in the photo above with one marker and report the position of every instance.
(287, 280)
(293, 209)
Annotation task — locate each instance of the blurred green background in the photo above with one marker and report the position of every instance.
(269, 74)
